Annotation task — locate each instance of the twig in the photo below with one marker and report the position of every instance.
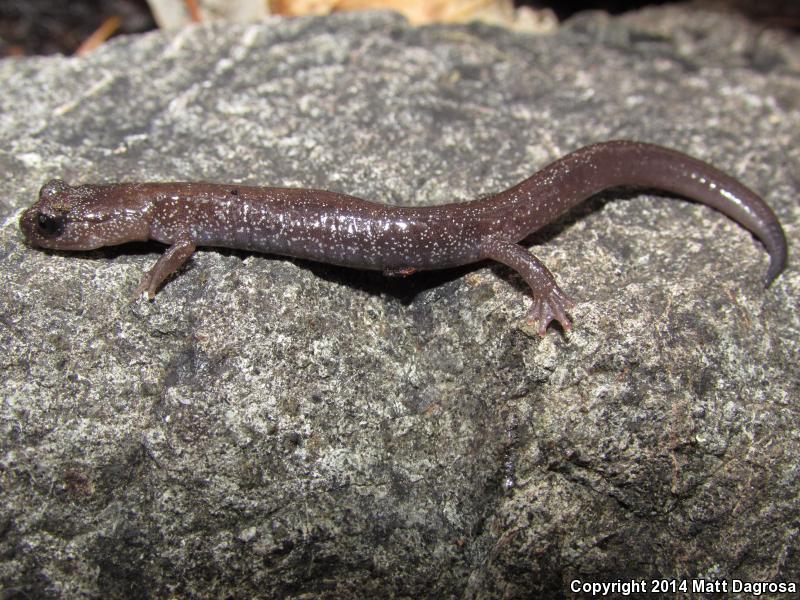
(100, 35)
(194, 11)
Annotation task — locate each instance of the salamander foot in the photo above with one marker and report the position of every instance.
(552, 306)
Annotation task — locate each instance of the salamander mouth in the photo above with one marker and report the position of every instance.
(28, 227)
(57, 231)
(43, 230)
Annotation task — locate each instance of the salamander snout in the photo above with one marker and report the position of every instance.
(84, 217)
(40, 226)
(44, 222)
(49, 223)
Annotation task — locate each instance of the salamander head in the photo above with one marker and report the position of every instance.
(84, 217)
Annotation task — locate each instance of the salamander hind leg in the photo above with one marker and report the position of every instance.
(172, 260)
(550, 302)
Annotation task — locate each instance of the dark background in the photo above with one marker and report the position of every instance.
(29, 27)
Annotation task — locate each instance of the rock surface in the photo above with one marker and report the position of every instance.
(271, 428)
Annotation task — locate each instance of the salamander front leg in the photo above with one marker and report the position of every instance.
(172, 260)
(549, 301)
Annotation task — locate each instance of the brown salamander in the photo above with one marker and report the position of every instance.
(340, 229)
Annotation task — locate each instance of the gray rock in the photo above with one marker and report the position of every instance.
(272, 428)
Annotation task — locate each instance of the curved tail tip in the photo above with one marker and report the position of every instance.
(776, 264)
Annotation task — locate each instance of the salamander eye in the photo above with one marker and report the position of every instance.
(49, 226)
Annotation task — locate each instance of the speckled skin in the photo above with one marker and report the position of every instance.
(344, 230)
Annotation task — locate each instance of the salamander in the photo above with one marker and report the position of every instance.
(344, 230)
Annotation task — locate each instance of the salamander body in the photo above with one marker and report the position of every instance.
(344, 230)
